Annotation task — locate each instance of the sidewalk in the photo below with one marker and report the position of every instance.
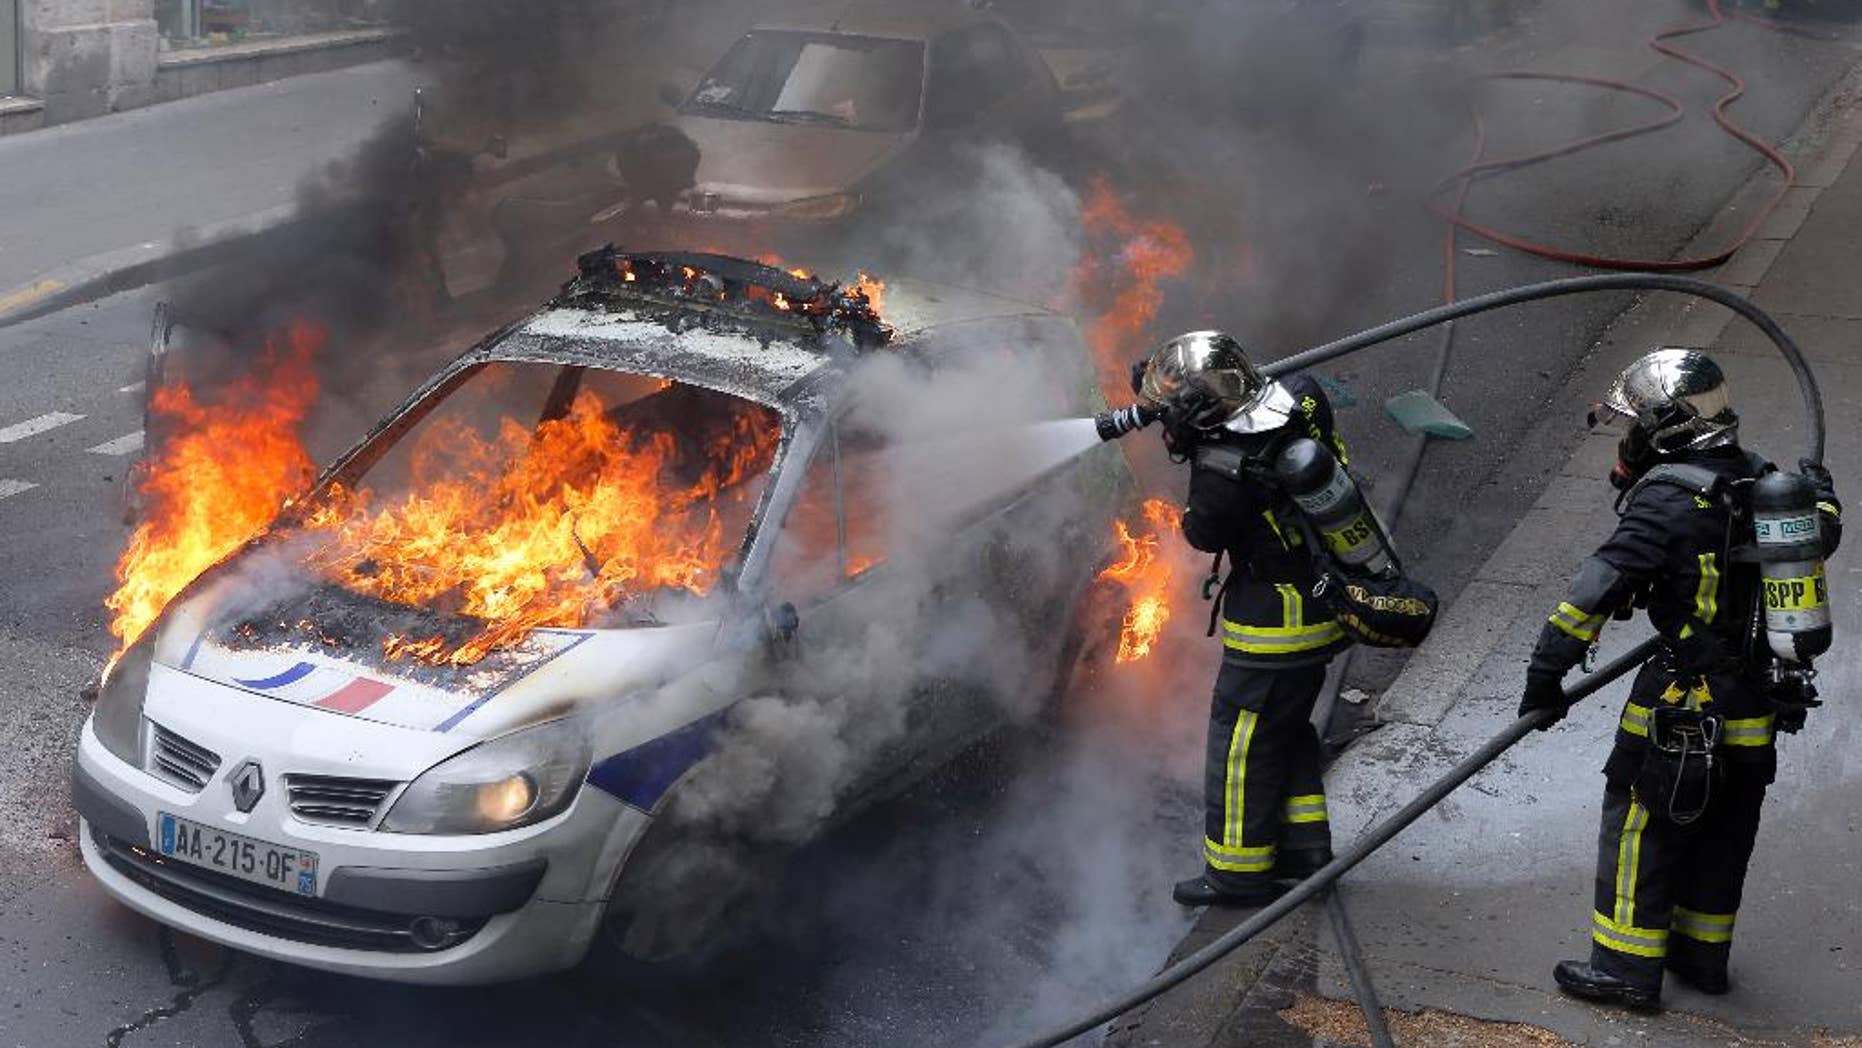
(1463, 916)
(78, 199)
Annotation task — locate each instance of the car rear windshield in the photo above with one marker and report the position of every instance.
(862, 82)
(528, 495)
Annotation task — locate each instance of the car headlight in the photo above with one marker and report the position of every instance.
(821, 208)
(501, 784)
(117, 718)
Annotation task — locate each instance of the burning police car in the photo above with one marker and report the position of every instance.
(429, 724)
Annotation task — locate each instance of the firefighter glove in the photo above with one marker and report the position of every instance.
(1818, 475)
(1544, 692)
(1137, 374)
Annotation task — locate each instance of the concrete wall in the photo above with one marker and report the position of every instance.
(85, 58)
(9, 46)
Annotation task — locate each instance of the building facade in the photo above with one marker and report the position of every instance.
(64, 60)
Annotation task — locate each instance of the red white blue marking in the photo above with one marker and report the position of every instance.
(313, 679)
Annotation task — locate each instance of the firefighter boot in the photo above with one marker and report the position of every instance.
(1706, 977)
(1297, 864)
(1580, 979)
(1197, 891)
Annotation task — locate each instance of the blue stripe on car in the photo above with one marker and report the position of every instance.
(290, 676)
(642, 775)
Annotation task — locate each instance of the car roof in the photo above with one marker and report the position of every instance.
(758, 355)
(897, 19)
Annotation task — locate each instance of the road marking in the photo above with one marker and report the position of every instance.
(32, 427)
(124, 445)
(133, 387)
(29, 294)
(10, 488)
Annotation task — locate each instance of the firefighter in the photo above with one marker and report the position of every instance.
(1265, 812)
(1694, 750)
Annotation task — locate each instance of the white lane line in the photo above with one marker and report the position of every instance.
(124, 445)
(32, 427)
(10, 488)
(133, 387)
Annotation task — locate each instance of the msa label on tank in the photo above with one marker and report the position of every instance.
(1800, 594)
(1337, 490)
(1784, 531)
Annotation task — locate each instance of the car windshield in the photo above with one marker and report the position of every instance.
(531, 495)
(861, 82)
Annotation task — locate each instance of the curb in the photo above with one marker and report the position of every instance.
(126, 269)
(1503, 604)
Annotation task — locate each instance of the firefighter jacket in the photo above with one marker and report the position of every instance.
(1269, 617)
(1671, 549)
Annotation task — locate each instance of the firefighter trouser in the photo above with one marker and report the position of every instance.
(1262, 790)
(1668, 893)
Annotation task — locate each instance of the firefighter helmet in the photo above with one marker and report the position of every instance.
(1677, 397)
(1204, 380)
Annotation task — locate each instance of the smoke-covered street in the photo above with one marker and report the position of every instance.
(908, 755)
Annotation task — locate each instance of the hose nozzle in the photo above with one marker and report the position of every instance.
(1115, 424)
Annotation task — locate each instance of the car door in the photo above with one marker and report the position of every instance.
(982, 81)
(873, 638)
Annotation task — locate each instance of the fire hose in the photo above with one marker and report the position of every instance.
(1385, 831)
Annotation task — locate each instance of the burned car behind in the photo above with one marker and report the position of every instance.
(803, 129)
(435, 723)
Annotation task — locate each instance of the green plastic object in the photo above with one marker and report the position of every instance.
(1419, 413)
(1337, 392)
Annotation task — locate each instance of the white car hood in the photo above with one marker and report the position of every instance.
(550, 672)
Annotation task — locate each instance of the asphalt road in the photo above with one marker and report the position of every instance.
(934, 919)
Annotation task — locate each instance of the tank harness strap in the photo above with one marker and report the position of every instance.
(1697, 480)
(1215, 587)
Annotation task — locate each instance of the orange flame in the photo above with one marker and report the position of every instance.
(1146, 578)
(540, 527)
(875, 291)
(217, 480)
(537, 525)
(1128, 259)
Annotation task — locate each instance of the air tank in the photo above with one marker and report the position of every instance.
(1330, 499)
(1789, 540)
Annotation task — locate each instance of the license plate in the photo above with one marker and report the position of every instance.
(287, 869)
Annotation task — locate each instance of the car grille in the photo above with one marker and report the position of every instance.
(268, 911)
(335, 800)
(179, 761)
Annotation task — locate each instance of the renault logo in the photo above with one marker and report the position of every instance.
(248, 783)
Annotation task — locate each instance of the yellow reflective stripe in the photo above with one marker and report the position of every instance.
(1305, 808)
(1703, 927)
(1627, 938)
(1831, 508)
(1268, 515)
(1707, 595)
(1628, 857)
(1577, 622)
(1697, 696)
(1271, 640)
(1238, 860)
(1635, 720)
(1292, 608)
(1235, 786)
(1751, 731)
